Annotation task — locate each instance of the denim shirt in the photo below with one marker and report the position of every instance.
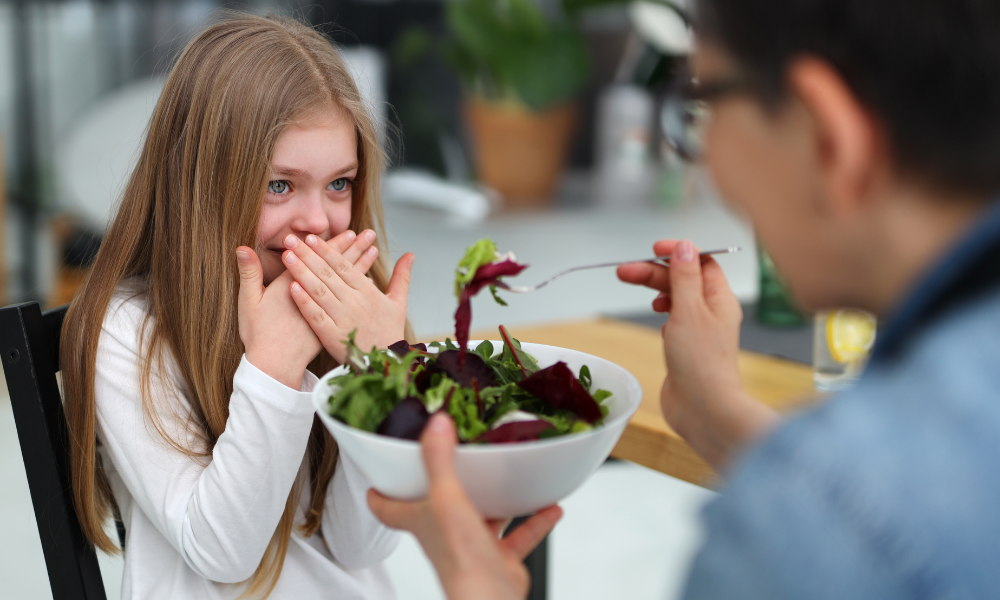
(891, 489)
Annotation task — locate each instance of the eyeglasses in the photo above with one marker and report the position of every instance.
(687, 111)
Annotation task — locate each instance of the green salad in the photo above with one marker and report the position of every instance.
(494, 396)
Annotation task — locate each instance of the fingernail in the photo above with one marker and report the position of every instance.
(291, 241)
(373, 251)
(685, 251)
(312, 240)
(290, 258)
(350, 235)
(369, 235)
(438, 425)
(296, 288)
(242, 256)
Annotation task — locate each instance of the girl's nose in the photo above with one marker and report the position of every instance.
(311, 217)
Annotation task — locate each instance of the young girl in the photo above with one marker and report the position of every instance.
(186, 379)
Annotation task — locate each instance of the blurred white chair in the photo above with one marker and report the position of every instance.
(99, 153)
(96, 158)
(464, 204)
(3, 226)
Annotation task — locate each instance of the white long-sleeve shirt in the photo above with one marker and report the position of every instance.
(195, 527)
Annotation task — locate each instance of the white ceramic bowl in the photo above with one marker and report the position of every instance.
(503, 480)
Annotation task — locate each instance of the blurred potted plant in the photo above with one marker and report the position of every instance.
(521, 71)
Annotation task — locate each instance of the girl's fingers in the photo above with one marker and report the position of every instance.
(367, 259)
(340, 267)
(319, 320)
(251, 279)
(300, 257)
(399, 284)
(342, 241)
(354, 251)
(309, 281)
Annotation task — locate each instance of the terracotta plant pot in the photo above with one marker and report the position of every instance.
(518, 152)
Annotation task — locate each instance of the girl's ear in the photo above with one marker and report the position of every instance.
(848, 141)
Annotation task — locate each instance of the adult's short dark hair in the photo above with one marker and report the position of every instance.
(929, 69)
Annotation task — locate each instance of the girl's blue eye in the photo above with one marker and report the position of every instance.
(277, 186)
(338, 185)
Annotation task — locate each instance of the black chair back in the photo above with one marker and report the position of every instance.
(29, 343)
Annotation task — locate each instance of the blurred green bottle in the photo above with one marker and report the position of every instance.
(775, 307)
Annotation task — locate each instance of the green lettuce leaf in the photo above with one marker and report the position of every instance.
(481, 253)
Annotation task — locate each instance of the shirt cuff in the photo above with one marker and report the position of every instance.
(309, 381)
(259, 386)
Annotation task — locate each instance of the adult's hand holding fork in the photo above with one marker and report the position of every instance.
(702, 396)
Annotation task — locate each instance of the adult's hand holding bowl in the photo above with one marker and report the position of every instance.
(471, 562)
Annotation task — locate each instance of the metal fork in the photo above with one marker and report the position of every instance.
(658, 260)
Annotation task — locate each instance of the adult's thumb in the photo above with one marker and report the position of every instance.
(251, 278)
(438, 443)
(686, 286)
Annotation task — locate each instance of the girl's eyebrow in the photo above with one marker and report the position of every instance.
(293, 172)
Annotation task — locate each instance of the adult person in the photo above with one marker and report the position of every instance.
(862, 138)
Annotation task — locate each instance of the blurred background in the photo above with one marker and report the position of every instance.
(534, 122)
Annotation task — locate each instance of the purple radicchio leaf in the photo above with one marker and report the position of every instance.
(423, 380)
(402, 348)
(518, 431)
(473, 369)
(486, 275)
(491, 272)
(406, 421)
(560, 389)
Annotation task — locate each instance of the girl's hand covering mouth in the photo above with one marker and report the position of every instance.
(350, 245)
(276, 338)
(335, 298)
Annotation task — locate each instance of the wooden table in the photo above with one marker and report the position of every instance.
(648, 440)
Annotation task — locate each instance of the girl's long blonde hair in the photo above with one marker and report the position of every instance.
(194, 196)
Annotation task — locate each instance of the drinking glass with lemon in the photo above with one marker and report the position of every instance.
(841, 346)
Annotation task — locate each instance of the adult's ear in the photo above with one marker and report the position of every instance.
(850, 145)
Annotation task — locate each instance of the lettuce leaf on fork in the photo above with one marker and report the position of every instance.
(481, 266)
(481, 253)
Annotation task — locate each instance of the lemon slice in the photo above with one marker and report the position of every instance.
(850, 334)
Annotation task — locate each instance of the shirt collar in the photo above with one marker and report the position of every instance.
(970, 267)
